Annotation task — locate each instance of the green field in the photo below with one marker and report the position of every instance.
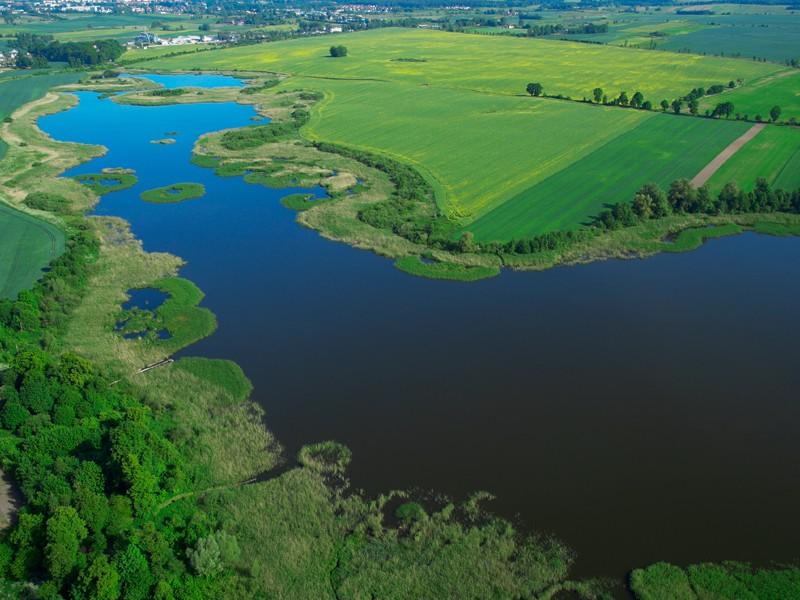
(660, 149)
(16, 90)
(27, 245)
(497, 64)
(774, 37)
(122, 27)
(65, 26)
(741, 31)
(774, 153)
(761, 95)
(452, 136)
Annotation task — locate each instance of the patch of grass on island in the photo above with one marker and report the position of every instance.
(432, 269)
(104, 183)
(177, 192)
(303, 201)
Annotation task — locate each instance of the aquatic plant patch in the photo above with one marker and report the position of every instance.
(176, 323)
(303, 201)
(105, 183)
(433, 269)
(177, 192)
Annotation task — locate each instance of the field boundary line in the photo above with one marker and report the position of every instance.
(720, 159)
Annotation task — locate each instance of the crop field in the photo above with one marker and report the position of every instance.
(66, 25)
(121, 27)
(774, 36)
(14, 92)
(761, 95)
(452, 136)
(18, 91)
(660, 149)
(774, 154)
(26, 246)
(498, 64)
(635, 30)
(502, 163)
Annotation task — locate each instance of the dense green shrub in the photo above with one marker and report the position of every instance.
(47, 202)
(168, 93)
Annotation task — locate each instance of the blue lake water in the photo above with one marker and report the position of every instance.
(145, 298)
(639, 410)
(203, 80)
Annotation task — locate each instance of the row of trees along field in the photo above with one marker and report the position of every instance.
(690, 101)
(651, 202)
(92, 462)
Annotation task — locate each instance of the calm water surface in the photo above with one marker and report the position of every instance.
(639, 410)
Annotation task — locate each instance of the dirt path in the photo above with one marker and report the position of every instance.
(10, 501)
(721, 158)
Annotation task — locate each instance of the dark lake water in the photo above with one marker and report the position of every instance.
(639, 410)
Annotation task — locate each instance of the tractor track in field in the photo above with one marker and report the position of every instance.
(720, 159)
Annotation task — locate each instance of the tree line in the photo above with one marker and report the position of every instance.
(691, 101)
(36, 50)
(651, 202)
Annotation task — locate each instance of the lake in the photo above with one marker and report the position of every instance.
(639, 410)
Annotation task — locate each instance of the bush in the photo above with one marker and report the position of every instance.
(47, 202)
(168, 92)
